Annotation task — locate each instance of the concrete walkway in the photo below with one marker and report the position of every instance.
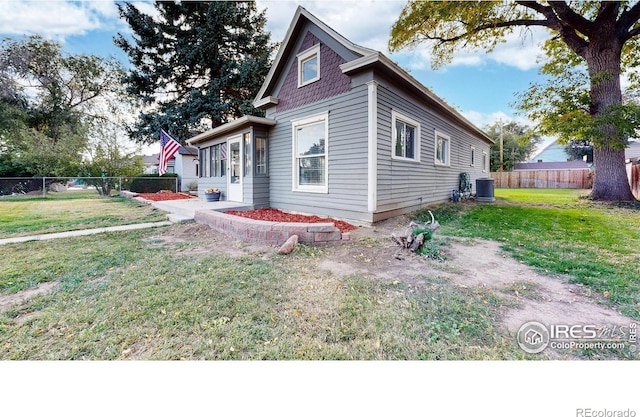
(85, 232)
(178, 211)
(185, 210)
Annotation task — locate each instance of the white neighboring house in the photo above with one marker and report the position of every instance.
(632, 152)
(184, 163)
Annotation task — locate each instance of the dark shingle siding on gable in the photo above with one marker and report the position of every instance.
(332, 81)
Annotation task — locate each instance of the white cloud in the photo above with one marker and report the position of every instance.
(520, 50)
(366, 23)
(55, 19)
(481, 119)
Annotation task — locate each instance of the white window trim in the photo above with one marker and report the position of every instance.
(473, 156)
(296, 186)
(435, 148)
(305, 56)
(485, 161)
(410, 121)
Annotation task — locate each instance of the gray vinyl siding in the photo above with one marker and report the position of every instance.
(256, 188)
(404, 186)
(347, 159)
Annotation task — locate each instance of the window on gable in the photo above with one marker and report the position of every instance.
(443, 149)
(310, 151)
(406, 137)
(309, 66)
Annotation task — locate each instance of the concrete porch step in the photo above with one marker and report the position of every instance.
(179, 218)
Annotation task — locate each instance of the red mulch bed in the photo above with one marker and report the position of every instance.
(273, 215)
(164, 196)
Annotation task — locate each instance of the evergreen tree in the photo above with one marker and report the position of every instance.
(196, 65)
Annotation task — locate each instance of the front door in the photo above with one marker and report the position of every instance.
(234, 185)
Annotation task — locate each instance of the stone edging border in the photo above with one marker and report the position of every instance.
(275, 233)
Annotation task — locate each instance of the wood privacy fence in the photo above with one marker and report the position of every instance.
(560, 178)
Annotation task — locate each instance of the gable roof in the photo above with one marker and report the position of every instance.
(186, 150)
(367, 58)
(300, 17)
(552, 152)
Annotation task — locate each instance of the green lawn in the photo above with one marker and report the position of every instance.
(71, 210)
(561, 232)
(133, 295)
(156, 294)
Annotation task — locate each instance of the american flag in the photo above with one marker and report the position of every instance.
(168, 148)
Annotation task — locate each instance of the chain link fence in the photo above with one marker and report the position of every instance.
(42, 186)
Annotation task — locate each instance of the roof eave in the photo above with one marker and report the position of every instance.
(230, 126)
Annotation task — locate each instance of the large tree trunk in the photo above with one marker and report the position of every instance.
(610, 182)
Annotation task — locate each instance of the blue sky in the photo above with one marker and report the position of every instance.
(481, 86)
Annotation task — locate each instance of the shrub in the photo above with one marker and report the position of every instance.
(151, 183)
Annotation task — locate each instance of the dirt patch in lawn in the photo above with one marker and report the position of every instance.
(470, 263)
(528, 295)
(8, 301)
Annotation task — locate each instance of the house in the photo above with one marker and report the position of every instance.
(184, 163)
(151, 164)
(632, 152)
(553, 152)
(347, 133)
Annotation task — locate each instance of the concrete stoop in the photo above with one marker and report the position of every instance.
(179, 218)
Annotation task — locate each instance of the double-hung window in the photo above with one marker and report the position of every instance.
(310, 151)
(261, 156)
(202, 162)
(215, 161)
(443, 149)
(309, 66)
(405, 137)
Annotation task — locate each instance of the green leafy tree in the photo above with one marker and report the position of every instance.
(50, 98)
(577, 150)
(598, 38)
(518, 143)
(110, 158)
(12, 122)
(196, 65)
